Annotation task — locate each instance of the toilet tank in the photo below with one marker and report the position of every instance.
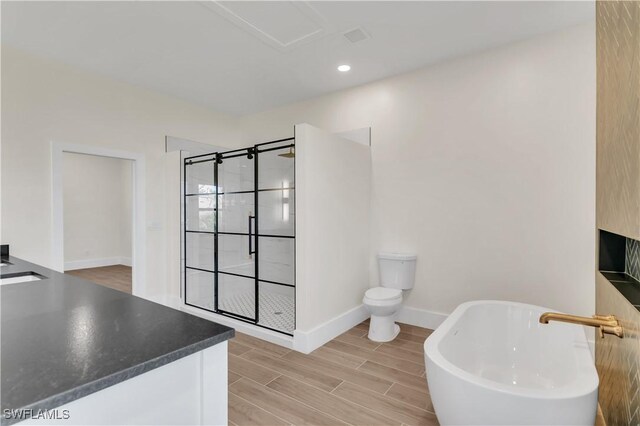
(397, 270)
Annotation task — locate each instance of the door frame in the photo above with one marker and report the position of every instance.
(138, 213)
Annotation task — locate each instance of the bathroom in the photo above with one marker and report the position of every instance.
(466, 150)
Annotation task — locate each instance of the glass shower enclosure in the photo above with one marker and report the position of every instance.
(239, 234)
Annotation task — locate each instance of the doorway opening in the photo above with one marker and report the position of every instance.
(89, 186)
(98, 215)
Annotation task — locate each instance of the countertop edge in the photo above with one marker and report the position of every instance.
(108, 381)
(57, 399)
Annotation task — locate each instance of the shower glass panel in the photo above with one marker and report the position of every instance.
(236, 255)
(277, 309)
(200, 213)
(235, 209)
(276, 190)
(277, 211)
(200, 287)
(277, 166)
(237, 296)
(201, 249)
(199, 177)
(276, 236)
(199, 238)
(236, 241)
(240, 234)
(235, 173)
(276, 263)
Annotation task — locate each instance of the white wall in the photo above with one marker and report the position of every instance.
(483, 166)
(333, 188)
(97, 210)
(44, 101)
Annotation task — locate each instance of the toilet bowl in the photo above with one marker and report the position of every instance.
(383, 303)
(397, 273)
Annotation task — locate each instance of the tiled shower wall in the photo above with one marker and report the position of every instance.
(618, 199)
(618, 360)
(632, 258)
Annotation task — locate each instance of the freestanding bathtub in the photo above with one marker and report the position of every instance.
(492, 362)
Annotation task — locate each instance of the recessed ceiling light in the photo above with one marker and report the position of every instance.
(344, 68)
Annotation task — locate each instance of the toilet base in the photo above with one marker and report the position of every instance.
(383, 329)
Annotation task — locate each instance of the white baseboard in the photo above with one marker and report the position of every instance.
(96, 263)
(308, 341)
(243, 327)
(420, 317)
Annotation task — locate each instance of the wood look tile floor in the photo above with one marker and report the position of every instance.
(349, 380)
(117, 277)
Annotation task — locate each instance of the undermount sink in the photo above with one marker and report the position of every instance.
(20, 277)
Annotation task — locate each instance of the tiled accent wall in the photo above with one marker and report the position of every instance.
(618, 360)
(632, 259)
(618, 199)
(618, 117)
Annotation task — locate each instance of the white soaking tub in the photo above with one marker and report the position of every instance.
(492, 362)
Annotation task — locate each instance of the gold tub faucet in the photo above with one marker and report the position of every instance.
(606, 324)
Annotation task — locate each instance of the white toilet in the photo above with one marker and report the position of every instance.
(397, 273)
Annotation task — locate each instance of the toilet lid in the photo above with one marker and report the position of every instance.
(383, 293)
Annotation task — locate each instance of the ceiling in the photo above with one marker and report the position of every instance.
(245, 57)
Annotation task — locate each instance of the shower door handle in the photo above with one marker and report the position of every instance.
(251, 250)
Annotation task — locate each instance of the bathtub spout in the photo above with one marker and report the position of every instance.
(607, 324)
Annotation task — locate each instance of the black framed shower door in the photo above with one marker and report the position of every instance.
(239, 234)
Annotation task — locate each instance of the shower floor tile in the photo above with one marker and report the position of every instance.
(276, 310)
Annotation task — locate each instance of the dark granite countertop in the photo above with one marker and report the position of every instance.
(63, 338)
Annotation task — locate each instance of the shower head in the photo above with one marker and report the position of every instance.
(290, 154)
